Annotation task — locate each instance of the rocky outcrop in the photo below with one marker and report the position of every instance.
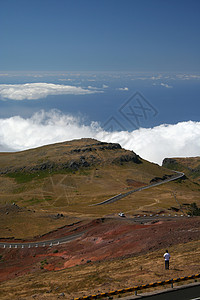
(168, 161)
(131, 157)
(158, 179)
(99, 146)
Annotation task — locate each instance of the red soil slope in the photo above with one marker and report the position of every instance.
(102, 239)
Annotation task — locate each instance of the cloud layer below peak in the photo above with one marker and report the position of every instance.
(153, 144)
(32, 91)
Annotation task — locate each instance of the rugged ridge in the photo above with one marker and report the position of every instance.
(189, 165)
(72, 156)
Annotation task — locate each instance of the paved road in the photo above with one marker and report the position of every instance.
(52, 242)
(155, 218)
(186, 294)
(120, 196)
(189, 292)
(58, 241)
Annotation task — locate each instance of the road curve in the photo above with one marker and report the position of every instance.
(120, 196)
(48, 243)
(54, 242)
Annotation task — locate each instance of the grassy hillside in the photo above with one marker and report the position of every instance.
(52, 185)
(189, 165)
(109, 275)
(47, 188)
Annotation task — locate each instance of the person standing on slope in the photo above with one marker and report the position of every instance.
(166, 257)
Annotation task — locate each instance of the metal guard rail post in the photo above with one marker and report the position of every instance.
(137, 288)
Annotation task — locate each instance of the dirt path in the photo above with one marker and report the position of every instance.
(148, 205)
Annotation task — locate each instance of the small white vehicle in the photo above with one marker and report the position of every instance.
(121, 214)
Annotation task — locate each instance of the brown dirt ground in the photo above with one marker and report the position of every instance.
(103, 239)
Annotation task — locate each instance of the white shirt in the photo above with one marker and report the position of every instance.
(166, 256)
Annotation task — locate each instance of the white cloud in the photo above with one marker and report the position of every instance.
(39, 90)
(158, 77)
(123, 89)
(166, 85)
(65, 79)
(4, 74)
(188, 76)
(104, 86)
(153, 144)
(162, 84)
(93, 88)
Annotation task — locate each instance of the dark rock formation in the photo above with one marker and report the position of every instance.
(131, 157)
(157, 179)
(168, 161)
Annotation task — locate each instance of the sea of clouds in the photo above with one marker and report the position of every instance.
(32, 91)
(153, 144)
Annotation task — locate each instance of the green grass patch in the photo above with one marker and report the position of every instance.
(84, 172)
(44, 262)
(24, 177)
(20, 189)
(194, 210)
(173, 166)
(36, 200)
(48, 198)
(195, 174)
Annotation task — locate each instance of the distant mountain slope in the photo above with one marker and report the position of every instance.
(189, 165)
(72, 171)
(71, 155)
(46, 187)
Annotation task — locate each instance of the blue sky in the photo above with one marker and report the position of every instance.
(125, 71)
(136, 35)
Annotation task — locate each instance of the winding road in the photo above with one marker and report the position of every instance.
(120, 196)
(48, 243)
(72, 237)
